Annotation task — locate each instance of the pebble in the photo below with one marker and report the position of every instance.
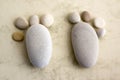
(47, 20)
(101, 32)
(34, 20)
(85, 16)
(39, 45)
(85, 44)
(99, 22)
(18, 36)
(74, 17)
(21, 23)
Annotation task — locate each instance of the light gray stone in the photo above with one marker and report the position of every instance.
(85, 44)
(101, 32)
(34, 20)
(39, 45)
(74, 17)
(21, 23)
(47, 20)
(99, 22)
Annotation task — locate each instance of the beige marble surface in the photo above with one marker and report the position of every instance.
(14, 63)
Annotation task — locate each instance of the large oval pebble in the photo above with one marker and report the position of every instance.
(85, 44)
(39, 45)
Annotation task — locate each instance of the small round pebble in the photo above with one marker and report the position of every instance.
(21, 23)
(74, 17)
(47, 20)
(101, 32)
(18, 36)
(34, 20)
(85, 16)
(99, 22)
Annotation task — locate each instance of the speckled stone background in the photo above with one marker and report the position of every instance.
(14, 62)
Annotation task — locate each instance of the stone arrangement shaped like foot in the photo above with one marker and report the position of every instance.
(85, 38)
(38, 40)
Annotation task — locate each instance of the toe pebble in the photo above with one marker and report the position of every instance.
(21, 23)
(99, 22)
(47, 20)
(85, 16)
(101, 32)
(74, 17)
(34, 20)
(18, 36)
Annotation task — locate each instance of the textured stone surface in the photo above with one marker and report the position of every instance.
(99, 22)
(21, 23)
(34, 20)
(47, 20)
(85, 16)
(101, 32)
(74, 17)
(39, 45)
(14, 64)
(85, 44)
(18, 36)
